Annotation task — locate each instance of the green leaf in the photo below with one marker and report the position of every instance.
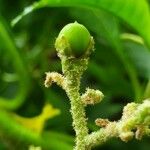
(128, 10)
(140, 57)
(19, 65)
(19, 134)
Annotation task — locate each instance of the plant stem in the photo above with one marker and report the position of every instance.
(134, 122)
(101, 136)
(73, 69)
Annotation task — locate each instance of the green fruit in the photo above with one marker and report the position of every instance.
(77, 37)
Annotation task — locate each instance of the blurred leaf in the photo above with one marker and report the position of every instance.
(121, 8)
(18, 134)
(132, 37)
(37, 123)
(63, 121)
(140, 56)
(11, 50)
(60, 136)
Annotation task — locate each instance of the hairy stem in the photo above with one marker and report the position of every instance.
(135, 121)
(73, 70)
(101, 136)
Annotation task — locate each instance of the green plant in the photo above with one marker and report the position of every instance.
(120, 67)
(135, 116)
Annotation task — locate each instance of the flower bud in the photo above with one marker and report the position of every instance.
(74, 40)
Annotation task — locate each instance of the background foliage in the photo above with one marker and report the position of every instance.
(120, 65)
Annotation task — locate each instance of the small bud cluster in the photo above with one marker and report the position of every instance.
(54, 77)
(92, 96)
(102, 122)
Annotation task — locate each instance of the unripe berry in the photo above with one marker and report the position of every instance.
(73, 40)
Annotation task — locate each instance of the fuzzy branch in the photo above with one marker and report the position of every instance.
(135, 121)
(92, 96)
(54, 77)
